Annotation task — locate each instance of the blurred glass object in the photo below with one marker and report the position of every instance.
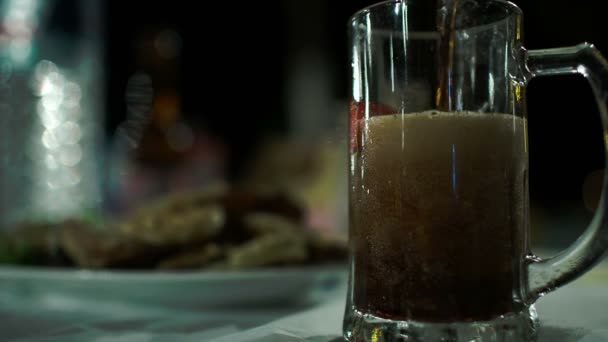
(158, 150)
(51, 91)
(308, 160)
(20, 20)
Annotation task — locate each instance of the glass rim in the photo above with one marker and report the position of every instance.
(365, 10)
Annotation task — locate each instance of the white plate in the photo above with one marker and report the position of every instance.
(193, 289)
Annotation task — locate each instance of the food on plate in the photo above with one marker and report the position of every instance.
(211, 228)
(272, 249)
(96, 248)
(31, 244)
(201, 257)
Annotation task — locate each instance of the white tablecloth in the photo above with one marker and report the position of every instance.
(578, 312)
(575, 313)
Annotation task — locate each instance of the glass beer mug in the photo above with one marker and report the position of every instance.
(439, 208)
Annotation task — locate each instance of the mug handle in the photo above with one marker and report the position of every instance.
(549, 274)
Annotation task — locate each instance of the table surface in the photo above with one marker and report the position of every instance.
(577, 312)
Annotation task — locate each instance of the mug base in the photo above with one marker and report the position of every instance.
(523, 326)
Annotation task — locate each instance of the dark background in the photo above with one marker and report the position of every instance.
(236, 61)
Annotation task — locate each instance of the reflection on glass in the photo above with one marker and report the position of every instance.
(59, 156)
